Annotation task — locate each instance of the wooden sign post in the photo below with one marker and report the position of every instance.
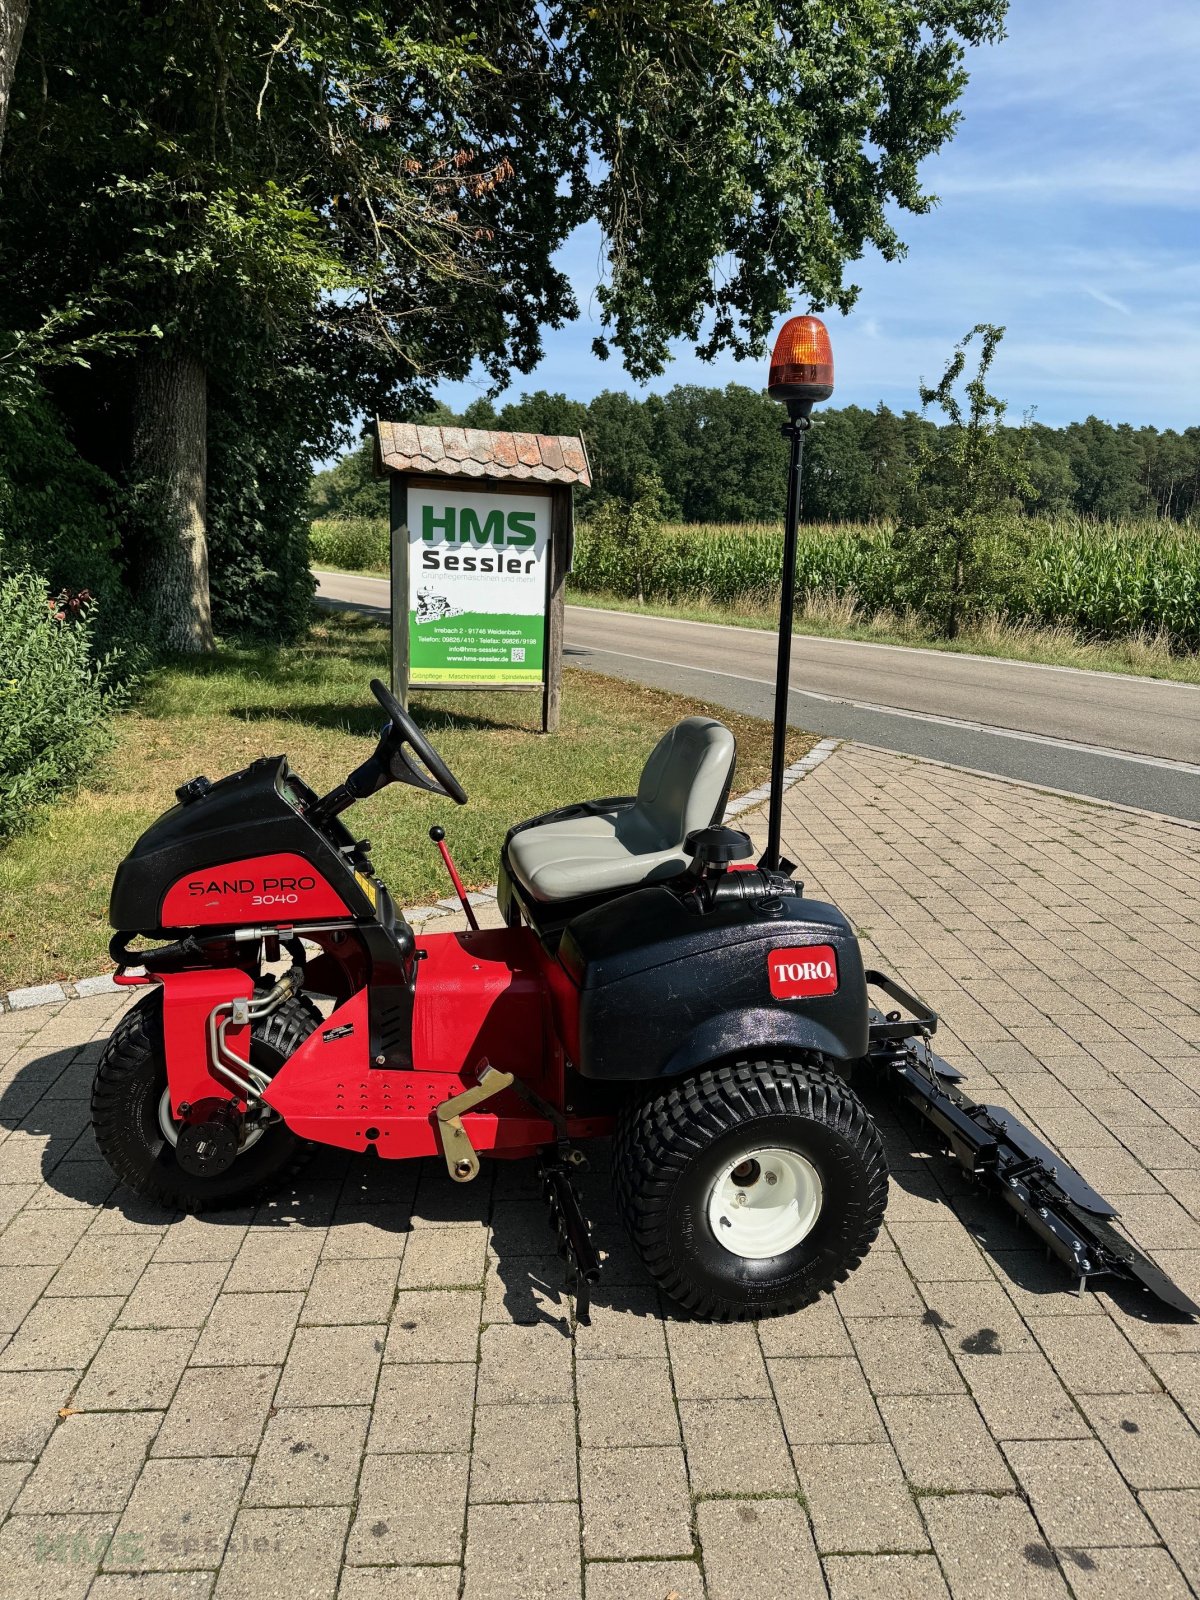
(482, 526)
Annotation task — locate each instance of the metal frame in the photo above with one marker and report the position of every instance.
(793, 430)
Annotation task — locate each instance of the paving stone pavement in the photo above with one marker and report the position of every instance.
(370, 1387)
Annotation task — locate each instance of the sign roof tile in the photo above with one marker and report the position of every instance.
(482, 453)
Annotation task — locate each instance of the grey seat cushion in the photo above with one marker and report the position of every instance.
(683, 786)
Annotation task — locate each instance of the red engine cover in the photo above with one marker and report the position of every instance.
(261, 889)
(188, 999)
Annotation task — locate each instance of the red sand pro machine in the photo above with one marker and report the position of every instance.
(651, 984)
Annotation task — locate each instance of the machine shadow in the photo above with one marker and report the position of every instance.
(45, 1120)
(45, 1123)
(526, 1282)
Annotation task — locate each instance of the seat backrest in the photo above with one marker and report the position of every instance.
(685, 783)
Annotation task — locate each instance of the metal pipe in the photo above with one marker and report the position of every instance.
(794, 429)
(224, 1061)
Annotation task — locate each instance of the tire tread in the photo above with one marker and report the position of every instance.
(657, 1136)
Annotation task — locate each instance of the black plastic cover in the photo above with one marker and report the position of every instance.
(250, 813)
(666, 986)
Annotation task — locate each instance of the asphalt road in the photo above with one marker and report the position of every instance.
(1131, 740)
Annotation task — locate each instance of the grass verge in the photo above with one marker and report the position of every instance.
(1141, 655)
(312, 701)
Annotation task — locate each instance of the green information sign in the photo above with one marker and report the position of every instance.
(477, 582)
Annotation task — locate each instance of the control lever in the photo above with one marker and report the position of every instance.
(438, 835)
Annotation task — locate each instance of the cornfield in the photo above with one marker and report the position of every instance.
(1102, 579)
(1099, 579)
(357, 543)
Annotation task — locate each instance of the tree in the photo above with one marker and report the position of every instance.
(959, 529)
(837, 484)
(1104, 462)
(883, 443)
(363, 197)
(633, 531)
(722, 454)
(541, 412)
(13, 16)
(619, 434)
(349, 488)
(480, 413)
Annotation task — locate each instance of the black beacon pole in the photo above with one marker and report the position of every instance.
(801, 374)
(798, 423)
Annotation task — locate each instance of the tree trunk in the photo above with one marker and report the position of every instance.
(13, 16)
(169, 460)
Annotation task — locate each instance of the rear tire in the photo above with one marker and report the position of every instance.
(795, 1125)
(128, 1090)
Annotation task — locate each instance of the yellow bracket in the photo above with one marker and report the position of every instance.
(461, 1161)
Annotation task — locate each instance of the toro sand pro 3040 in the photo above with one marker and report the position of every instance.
(651, 983)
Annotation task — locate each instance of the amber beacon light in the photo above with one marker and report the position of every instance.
(801, 374)
(801, 363)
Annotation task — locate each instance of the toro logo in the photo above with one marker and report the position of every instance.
(803, 970)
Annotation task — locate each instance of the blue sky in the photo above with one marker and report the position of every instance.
(1070, 212)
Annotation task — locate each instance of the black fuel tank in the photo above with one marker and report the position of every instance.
(666, 985)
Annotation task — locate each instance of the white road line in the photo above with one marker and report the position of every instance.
(883, 710)
(857, 644)
(916, 716)
(873, 644)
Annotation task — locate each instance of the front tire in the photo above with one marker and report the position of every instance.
(750, 1189)
(130, 1125)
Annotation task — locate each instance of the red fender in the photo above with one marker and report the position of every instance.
(188, 1000)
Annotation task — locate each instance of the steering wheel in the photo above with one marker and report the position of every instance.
(404, 731)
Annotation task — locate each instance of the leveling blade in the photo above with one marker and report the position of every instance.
(996, 1149)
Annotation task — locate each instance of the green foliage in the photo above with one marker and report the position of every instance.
(257, 516)
(1102, 580)
(721, 452)
(721, 459)
(410, 173)
(359, 543)
(541, 412)
(961, 538)
(58, 514)
(54, 698)
(1110, 579)
(349, 488)
(355, 199)
(632, 538)
(55, 508)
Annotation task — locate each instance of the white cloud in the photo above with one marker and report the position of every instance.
(1145, 179)
(1109, 300)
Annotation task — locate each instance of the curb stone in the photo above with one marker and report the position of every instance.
(46, 994)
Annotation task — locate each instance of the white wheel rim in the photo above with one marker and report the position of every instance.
(764, 1203)
(252, 1131)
